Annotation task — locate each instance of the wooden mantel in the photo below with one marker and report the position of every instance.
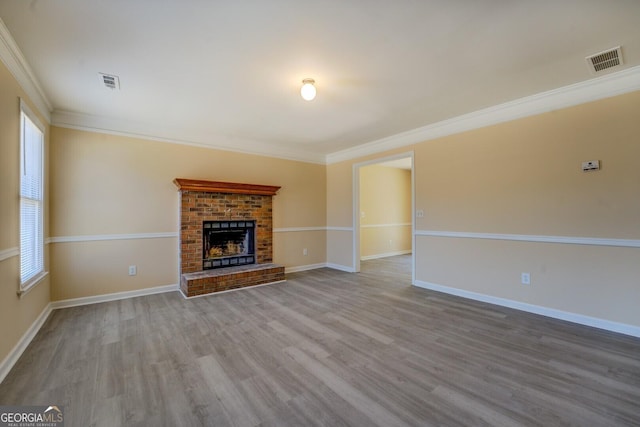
(184, 184)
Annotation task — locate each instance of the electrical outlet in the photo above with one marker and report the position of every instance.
(305, 252)
(420, 213)
(133, 270)
(525, 278)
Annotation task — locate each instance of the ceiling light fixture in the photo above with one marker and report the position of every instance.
(308, 90)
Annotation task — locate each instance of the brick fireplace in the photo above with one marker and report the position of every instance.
(206, 267)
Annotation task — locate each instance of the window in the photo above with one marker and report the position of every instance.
(31, 199)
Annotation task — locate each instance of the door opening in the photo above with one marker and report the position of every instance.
(383, 206)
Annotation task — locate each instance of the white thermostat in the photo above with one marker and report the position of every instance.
(591, 165)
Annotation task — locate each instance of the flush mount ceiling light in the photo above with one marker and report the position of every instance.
(308, 90)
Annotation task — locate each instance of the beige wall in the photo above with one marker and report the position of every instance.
(339, 215)
(524, 178)
(16, 314)
(289, 248)
(105, 185)
(595, 281)
(385, 206)
(340, 195)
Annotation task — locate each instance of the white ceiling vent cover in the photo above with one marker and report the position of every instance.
(605, 60)
(110, 81)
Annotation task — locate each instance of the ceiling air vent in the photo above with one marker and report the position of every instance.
(110, 81)
(605, 60)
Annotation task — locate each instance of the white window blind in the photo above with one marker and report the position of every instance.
(31, 198)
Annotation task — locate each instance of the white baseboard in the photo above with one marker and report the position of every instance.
(608, 325)
(341, 267)
(23, 343)
(74, 302)
(385, 255)
(16, 352)
(298, 268)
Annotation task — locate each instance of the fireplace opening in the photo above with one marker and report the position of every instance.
(228, 243)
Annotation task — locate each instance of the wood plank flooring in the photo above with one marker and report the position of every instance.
(326, 348)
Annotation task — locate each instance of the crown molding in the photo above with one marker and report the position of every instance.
(567, 96)
(90, 123)
(590, 90)
(579, 93)
(14, 60)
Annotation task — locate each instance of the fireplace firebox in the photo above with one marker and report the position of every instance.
(228, 243)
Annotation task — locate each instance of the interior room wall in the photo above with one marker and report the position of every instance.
(339, 221)
(385, 211)
(523, 179)
(17, 314)
(114, 204)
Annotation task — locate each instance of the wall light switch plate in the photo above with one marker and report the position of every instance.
(591, 165)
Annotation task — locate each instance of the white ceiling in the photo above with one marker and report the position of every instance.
(227, 73)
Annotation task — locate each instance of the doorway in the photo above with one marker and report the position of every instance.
(383, 206)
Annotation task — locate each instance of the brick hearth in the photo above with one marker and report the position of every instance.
(213, 201)
(224, 279)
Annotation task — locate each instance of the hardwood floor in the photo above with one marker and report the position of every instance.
(326, 348)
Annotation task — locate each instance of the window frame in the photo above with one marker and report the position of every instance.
(38, 271)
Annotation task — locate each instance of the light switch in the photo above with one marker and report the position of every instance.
(591, 165)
